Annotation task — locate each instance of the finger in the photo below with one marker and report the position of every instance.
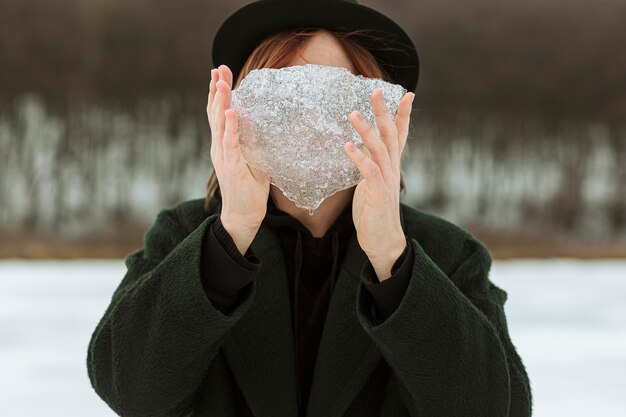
(231, 138)
(219, 93)
(216, 150)
(223, 104)
(385, 125)
(216, 143)
(226, 75)
(376, 147)
(368, 168)
(211, 92)
(217, 78)
(216, 140)
(403, 120)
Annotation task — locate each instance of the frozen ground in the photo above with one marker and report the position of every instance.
(566, 318)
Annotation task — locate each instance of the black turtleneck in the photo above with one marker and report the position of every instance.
(312, 266)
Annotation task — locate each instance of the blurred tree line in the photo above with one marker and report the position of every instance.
(556, 58)
(519, 121)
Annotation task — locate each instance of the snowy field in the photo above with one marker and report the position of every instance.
(566, 318)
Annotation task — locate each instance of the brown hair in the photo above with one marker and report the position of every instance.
(277, 50)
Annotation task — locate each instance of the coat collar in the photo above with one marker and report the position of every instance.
(260, 347)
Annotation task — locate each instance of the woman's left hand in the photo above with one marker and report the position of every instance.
(376, 200)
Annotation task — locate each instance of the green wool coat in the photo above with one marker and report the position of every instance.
(162, 349)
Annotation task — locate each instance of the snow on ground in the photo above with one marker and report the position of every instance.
(567, 319)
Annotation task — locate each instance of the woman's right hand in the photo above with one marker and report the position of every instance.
(244, 189)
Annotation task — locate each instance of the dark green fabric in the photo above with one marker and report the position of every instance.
(312, 265)
(162, 348)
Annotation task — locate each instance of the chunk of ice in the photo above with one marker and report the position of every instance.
(293, 123)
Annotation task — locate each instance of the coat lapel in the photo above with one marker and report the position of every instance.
(347, 355)
(260, 349)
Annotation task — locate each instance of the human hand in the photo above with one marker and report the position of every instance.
(244, 189)
(376, 200)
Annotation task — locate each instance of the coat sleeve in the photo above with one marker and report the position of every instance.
(448, 342)
(225, 271)
(152, 348)
(388, 293)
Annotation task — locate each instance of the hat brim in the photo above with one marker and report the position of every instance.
(243, 30)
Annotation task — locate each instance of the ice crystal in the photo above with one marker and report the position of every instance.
(293, 123)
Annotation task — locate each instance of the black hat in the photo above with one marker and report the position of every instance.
(244, 29)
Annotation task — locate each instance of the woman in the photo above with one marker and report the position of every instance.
(241, 304)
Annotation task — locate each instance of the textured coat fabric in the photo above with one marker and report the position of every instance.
(163, 349)
(312, 265)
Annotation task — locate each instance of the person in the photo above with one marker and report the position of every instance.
(242, 304)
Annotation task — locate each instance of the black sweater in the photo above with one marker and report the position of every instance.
(312, 265)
